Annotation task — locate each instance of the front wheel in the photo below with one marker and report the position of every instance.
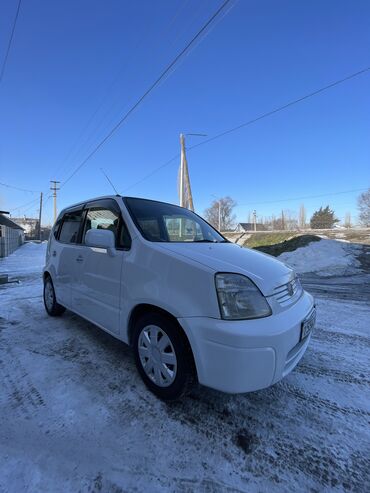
(162, 356)
(50, 302)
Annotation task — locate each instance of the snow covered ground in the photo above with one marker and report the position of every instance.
(75, 416)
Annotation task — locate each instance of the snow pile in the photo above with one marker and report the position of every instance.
(324, 257)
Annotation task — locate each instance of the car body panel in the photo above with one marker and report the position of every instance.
(265, 271)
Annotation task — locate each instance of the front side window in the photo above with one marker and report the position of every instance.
(70, 227)
(158, 221)
(99, 218)
(103, 218)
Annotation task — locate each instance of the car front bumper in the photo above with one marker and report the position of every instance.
(243, 356)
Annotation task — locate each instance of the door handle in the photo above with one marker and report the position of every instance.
(79, 259)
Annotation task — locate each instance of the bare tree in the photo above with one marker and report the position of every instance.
(282, 220)
(363, 203)
(290, 220)
(347, 220)
(302, 217)
(272, 222)
(220, 213)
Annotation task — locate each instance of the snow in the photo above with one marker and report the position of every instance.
(75, 416)
(324, 257)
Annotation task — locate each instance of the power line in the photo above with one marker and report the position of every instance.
(76, 149)
(25, 205)
(17, 188)
(250, 122)
(10, 42)
(149, 90)
(303, 198)
(90, 139)
(164, 165)
(281, 108)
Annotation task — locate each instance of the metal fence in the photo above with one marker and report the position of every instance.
(10, 240)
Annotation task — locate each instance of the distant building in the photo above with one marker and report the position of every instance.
(11, 235)
(244, 227)
(29, 225)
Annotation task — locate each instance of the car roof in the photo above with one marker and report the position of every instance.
(105, 197)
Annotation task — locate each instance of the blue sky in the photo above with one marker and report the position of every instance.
(73, 58)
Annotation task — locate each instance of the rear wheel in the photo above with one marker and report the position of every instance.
(162, 356)
(53, 308)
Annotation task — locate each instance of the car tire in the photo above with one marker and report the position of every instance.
(52, 307)
(163, 356)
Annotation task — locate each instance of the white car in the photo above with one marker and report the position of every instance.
(191, 304)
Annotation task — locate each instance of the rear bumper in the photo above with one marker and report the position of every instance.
(243, 356)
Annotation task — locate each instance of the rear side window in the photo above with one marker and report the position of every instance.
(70, 227)
(56, 228)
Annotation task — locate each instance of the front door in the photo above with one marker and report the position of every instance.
(96, 289)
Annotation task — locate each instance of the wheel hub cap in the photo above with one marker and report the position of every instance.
(49, 295)
(157, 355)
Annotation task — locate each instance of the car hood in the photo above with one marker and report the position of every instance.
(266, 271)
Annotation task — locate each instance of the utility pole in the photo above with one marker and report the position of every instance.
(186, 197)
(54, 188)
(40, 213)
(254, 220)
(181, 184)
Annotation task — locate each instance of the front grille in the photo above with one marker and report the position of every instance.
(288, 293)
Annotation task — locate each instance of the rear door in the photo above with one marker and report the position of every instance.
(96, 291)
(64, 252)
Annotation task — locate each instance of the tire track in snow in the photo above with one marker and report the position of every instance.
(315, 401)
(20, 392)
(337, 375)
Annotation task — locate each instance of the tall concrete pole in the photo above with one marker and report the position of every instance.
(54, 188)
(182, 144)
(186, 197)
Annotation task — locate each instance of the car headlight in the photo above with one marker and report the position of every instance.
(239, 298)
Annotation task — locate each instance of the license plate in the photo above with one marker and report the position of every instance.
(308, 324)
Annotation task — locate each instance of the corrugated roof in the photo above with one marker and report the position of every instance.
(5, 221)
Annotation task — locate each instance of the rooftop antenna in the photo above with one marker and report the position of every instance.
(107, 177)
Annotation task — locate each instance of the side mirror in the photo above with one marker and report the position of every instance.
(101, 238)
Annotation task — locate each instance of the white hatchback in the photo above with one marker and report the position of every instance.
(194, 306)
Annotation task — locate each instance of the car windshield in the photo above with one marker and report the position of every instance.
(162, 222)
